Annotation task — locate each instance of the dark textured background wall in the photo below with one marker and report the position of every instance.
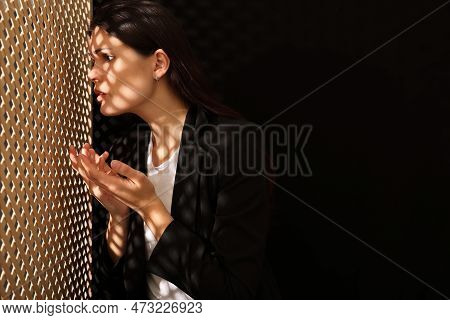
(379, 148)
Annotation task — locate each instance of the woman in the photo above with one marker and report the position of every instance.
(188, 212)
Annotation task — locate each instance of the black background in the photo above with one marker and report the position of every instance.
(379, 148)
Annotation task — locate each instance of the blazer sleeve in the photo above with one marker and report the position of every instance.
(109, 276)
(230, 264)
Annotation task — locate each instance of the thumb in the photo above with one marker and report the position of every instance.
(124, 169)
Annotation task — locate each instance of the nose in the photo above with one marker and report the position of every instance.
(94, 73)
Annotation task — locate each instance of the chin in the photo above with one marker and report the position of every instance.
(109, 111)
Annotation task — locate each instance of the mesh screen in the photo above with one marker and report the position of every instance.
(45, 106)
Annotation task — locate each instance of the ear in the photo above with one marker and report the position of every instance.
(161, 64)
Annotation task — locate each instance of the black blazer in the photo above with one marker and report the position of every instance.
(215, 246)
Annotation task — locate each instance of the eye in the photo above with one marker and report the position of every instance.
(107, 57)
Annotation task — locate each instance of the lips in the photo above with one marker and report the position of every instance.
(98, 93)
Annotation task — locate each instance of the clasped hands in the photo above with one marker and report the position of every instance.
(120, 187)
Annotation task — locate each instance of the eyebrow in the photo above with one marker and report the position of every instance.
(100, 49)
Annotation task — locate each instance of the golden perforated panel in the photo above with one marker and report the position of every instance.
(45, 106)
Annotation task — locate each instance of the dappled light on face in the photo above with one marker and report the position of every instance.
(119, 72)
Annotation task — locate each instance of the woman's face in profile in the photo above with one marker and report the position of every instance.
(121, 74)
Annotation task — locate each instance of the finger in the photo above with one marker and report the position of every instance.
(74, 165)
(97, 160)
(126, 171)
(103, 166)
(92, 155)
(83, 172)
(72, 150)
(107, 168)
(101, 163)
(73, 157)
(79, 167)
(86, 181)
(91, 171)
(84, 165)
(84, 150)
(109, 182)
(110, 171)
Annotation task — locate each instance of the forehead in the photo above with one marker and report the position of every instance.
(101, 39)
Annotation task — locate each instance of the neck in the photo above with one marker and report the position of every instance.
(165, 113)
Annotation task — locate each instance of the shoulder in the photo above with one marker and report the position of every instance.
(236, 150)
(224, 120)
(227, 129)
(236, 145)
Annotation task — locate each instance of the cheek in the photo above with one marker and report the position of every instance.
(130, 89)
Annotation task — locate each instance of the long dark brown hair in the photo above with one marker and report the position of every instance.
(147, 26)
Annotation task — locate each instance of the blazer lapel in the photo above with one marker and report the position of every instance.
(186, 192)
(185, 186)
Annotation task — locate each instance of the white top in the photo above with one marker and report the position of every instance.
(163, 178)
